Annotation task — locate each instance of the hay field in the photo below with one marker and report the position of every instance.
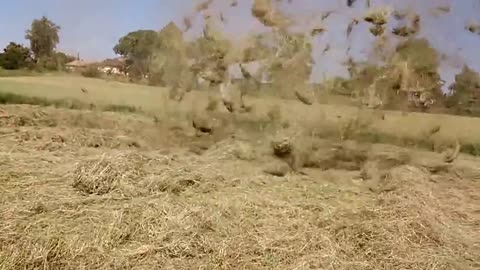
(86, 189)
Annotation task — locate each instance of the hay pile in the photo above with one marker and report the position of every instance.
(407, 225)
(107, 173)
(172, 180)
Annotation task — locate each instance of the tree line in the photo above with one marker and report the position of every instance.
(43, 37)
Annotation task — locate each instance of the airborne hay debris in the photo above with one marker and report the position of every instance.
(441, 10)
(400, 14)
(282, 147)
(317, 30)
(350, 26)
(378, 16)
(473, 27)
(326, 14)
(451, 156)
(203, 5)
(377, 30)
(188, 23)
(403, 31)
(305, 96)
(277, 168)
(266, 12)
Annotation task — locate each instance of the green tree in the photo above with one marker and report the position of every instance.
(61, 59)
(138, 48)
(43, 37)
(55, 62)
(15, 56)
(464, 96)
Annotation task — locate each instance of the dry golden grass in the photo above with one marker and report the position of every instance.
(102, 175)
(69, 204)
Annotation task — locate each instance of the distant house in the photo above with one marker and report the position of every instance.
(78, 65)
(113, 66)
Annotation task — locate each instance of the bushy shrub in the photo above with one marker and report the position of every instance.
(91, 72)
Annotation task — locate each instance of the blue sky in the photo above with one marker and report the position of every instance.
(93, 27)
(90, 27)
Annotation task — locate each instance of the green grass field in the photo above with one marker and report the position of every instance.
(395, 125)
(99, 91)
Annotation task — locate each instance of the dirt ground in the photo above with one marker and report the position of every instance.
(97, 190)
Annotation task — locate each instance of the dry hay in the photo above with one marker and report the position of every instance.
(350, 127)
(50, 139)
(377, 30)
(203, 123)
(406, 212)
(14, 116)
(274, 114)
(378, 16)
(452, 155)
(180, 211)
(317, 30)
(350, 26)
(176, 93)
(326, 14)
(339, 157)
(212, 104)
(409, 27)
(441, 10)
(380, 164)
(277, 168)
(203, 5)
(134, 175)
(282, 147)
(305, 96)
(172, 180)
(266, 12)
(290, 147)
(403, 31)
(400, 14)
(244, 151)
(106, 173)
(473, 27)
